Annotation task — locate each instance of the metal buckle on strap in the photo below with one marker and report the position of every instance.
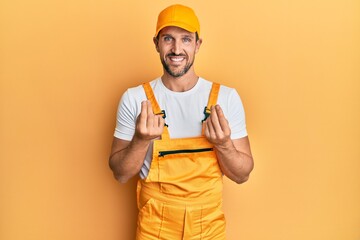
(162, 113)
(207, 112)
(163, 116)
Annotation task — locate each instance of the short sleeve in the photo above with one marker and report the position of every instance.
(126, 118)
(236, 116)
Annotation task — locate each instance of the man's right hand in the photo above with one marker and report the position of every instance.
(127, 157)
(148, 125)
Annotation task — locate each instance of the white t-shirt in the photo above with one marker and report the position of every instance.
(184, 112)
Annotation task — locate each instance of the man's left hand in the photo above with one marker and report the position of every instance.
(217, 129)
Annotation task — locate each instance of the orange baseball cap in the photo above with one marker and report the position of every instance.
(178, 16)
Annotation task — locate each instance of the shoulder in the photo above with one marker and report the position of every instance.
(228, 98)
(229, 94)
(227, 91)
(138, 92)
(224, 90)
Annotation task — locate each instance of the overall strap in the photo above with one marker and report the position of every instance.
(214, 93)
(155, 107)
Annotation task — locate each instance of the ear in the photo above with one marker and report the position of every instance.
(156, 42)
(198, 44)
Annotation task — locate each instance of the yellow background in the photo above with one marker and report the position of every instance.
(65, 64)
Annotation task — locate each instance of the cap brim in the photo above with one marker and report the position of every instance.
(176, 24)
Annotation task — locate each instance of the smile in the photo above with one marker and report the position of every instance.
(176, 59)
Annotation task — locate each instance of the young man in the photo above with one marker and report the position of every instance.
(182, 133)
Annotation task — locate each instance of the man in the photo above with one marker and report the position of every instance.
(182, 133)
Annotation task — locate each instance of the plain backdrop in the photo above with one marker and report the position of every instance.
(65, 64)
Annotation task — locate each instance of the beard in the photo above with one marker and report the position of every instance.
(177, 73)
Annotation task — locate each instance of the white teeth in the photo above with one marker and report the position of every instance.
(176, 59)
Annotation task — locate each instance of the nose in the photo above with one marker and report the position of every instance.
(176, 48)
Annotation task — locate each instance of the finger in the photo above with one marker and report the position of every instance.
(160, 123)
(215, 120)
(211, 129)
(149, 109)
(143, 114)
(150, 115)
(221, 117)
(157, 120)
(206, 130)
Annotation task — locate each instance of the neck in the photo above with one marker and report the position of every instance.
(180, 84)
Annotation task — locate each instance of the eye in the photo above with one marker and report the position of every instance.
(167, 38)
(186, 39)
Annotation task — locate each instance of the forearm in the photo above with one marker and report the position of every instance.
(127, 157)
(235, 164)
(127, 162)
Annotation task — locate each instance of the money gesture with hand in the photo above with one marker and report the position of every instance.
(217, 129)
(148, 125)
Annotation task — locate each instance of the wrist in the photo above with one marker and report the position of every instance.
(228, 144)
(138, 141)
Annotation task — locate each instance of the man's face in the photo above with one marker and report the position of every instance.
(177, 48)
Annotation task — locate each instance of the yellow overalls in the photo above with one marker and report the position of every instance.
(181, 198)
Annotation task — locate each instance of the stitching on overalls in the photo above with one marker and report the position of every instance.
(162, 219)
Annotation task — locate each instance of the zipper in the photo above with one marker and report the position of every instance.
(164, 153)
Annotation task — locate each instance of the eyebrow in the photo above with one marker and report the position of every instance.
(188, 35)
(183, 35)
